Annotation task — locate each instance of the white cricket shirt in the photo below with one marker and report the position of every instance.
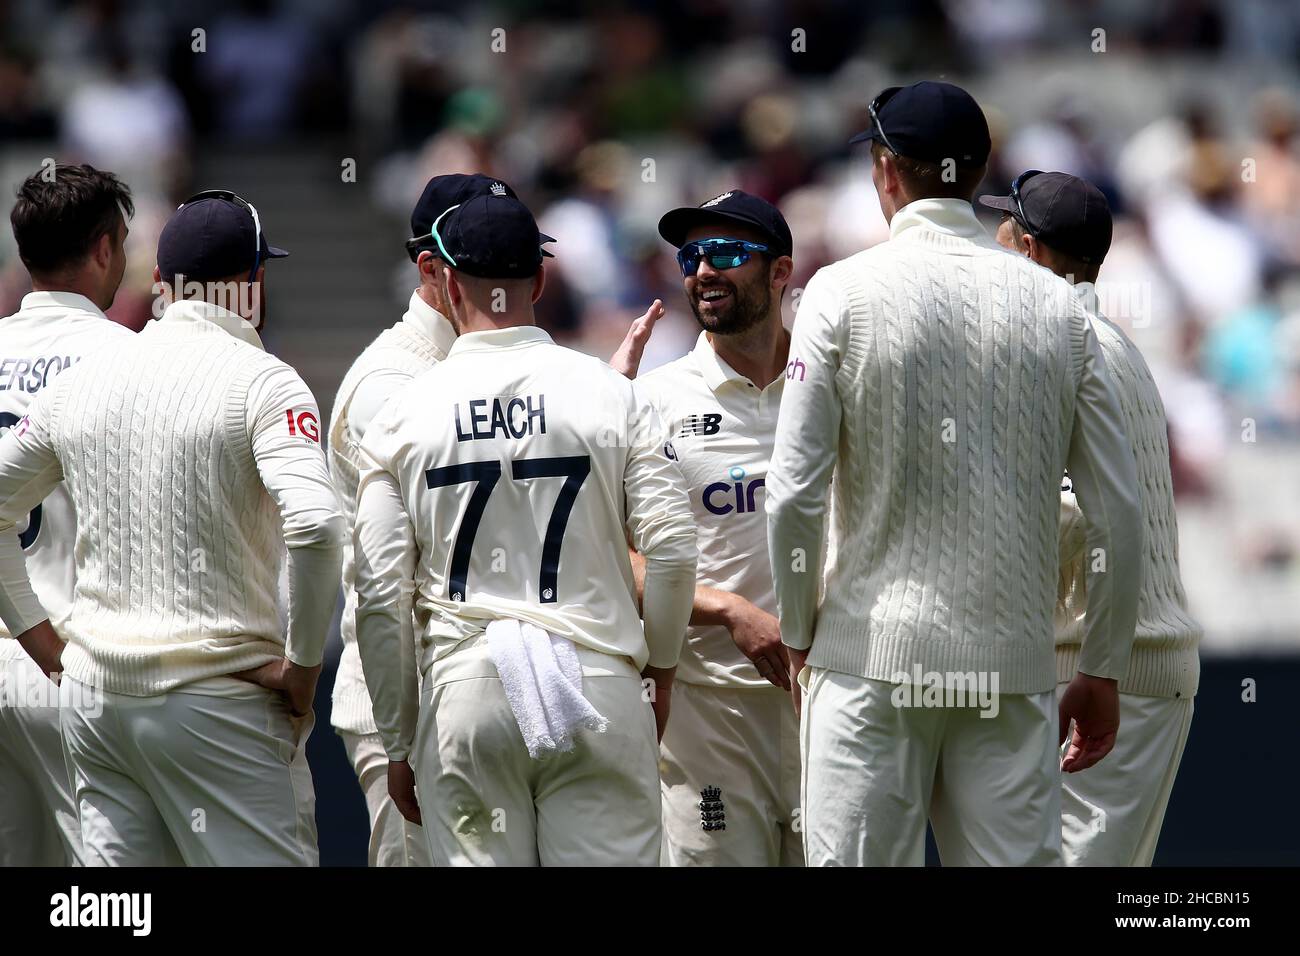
(505, 483)
(722, 427)
(50, 333)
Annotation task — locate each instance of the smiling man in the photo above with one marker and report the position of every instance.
(729, 761)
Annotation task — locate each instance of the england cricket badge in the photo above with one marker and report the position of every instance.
(712, 814)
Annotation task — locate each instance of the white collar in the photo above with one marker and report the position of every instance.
(195, 311)
(946, 217)
(712, 366)
(63, 301)
(499, 338)
(430, 323)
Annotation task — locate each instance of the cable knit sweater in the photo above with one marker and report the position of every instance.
(946, 384)
(1165, 662)
(193, 457)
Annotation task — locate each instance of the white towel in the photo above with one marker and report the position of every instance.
(543, 683)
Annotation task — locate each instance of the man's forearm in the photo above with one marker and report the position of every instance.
(19, 608)
(669, 596)
(711, 606)
(313, 592)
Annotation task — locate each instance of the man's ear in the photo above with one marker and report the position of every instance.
(1033, 248)
(102, 250)
(782, 271)
(451, 288)
(539, 282)
(889, 172)
(427, 263)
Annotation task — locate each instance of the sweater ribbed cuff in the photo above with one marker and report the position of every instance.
(352, 712)
(1152, 671)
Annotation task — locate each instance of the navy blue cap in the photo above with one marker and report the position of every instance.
(930, 121)
(1061, 211)
(440, 194)
(492, 237)
(213, 235)
(732, 206)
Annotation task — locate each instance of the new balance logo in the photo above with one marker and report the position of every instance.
(713, 816)
(700, 425)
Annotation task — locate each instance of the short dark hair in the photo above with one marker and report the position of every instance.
(58, 217)
(924, 179)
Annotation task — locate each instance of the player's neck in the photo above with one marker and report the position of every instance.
(475, 321)
(759, 354)
(79, 285)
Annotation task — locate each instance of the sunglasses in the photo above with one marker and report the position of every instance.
(873, 110)
(227, 195)
(1020, 180)
(721, 253)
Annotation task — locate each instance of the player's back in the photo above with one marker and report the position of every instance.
(178, 540)
(512, 456)
(959, 394)
(50, 334)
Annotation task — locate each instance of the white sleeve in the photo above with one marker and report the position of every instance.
(29, 471)
(662, 528)
(386, 553)
(370, 395)
(803, 460)
(284, 429)
(1103, 473)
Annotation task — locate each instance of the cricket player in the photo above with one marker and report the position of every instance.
(945, 385)
(729, 760)
(70, 228)
(419, 341)
(192, 458)
(499, 496)
(1111, 813)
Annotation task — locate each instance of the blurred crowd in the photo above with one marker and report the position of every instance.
(603, 115)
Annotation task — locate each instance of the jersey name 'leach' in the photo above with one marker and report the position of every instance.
(513, 417)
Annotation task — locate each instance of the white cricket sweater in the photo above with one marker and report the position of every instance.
(49, 334)
(1165, 661)
(946, 383)
(419, 341)
(192, 457)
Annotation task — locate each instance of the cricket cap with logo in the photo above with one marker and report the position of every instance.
(440, 194)
(733, 206)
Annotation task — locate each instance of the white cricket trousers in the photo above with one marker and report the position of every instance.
(38, 820)
(873, 771)
(1112, 812)
(485, 802)
(393, 841)
(740, 748)
(190, 779)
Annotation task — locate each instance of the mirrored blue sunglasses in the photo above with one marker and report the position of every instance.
(721, 253)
